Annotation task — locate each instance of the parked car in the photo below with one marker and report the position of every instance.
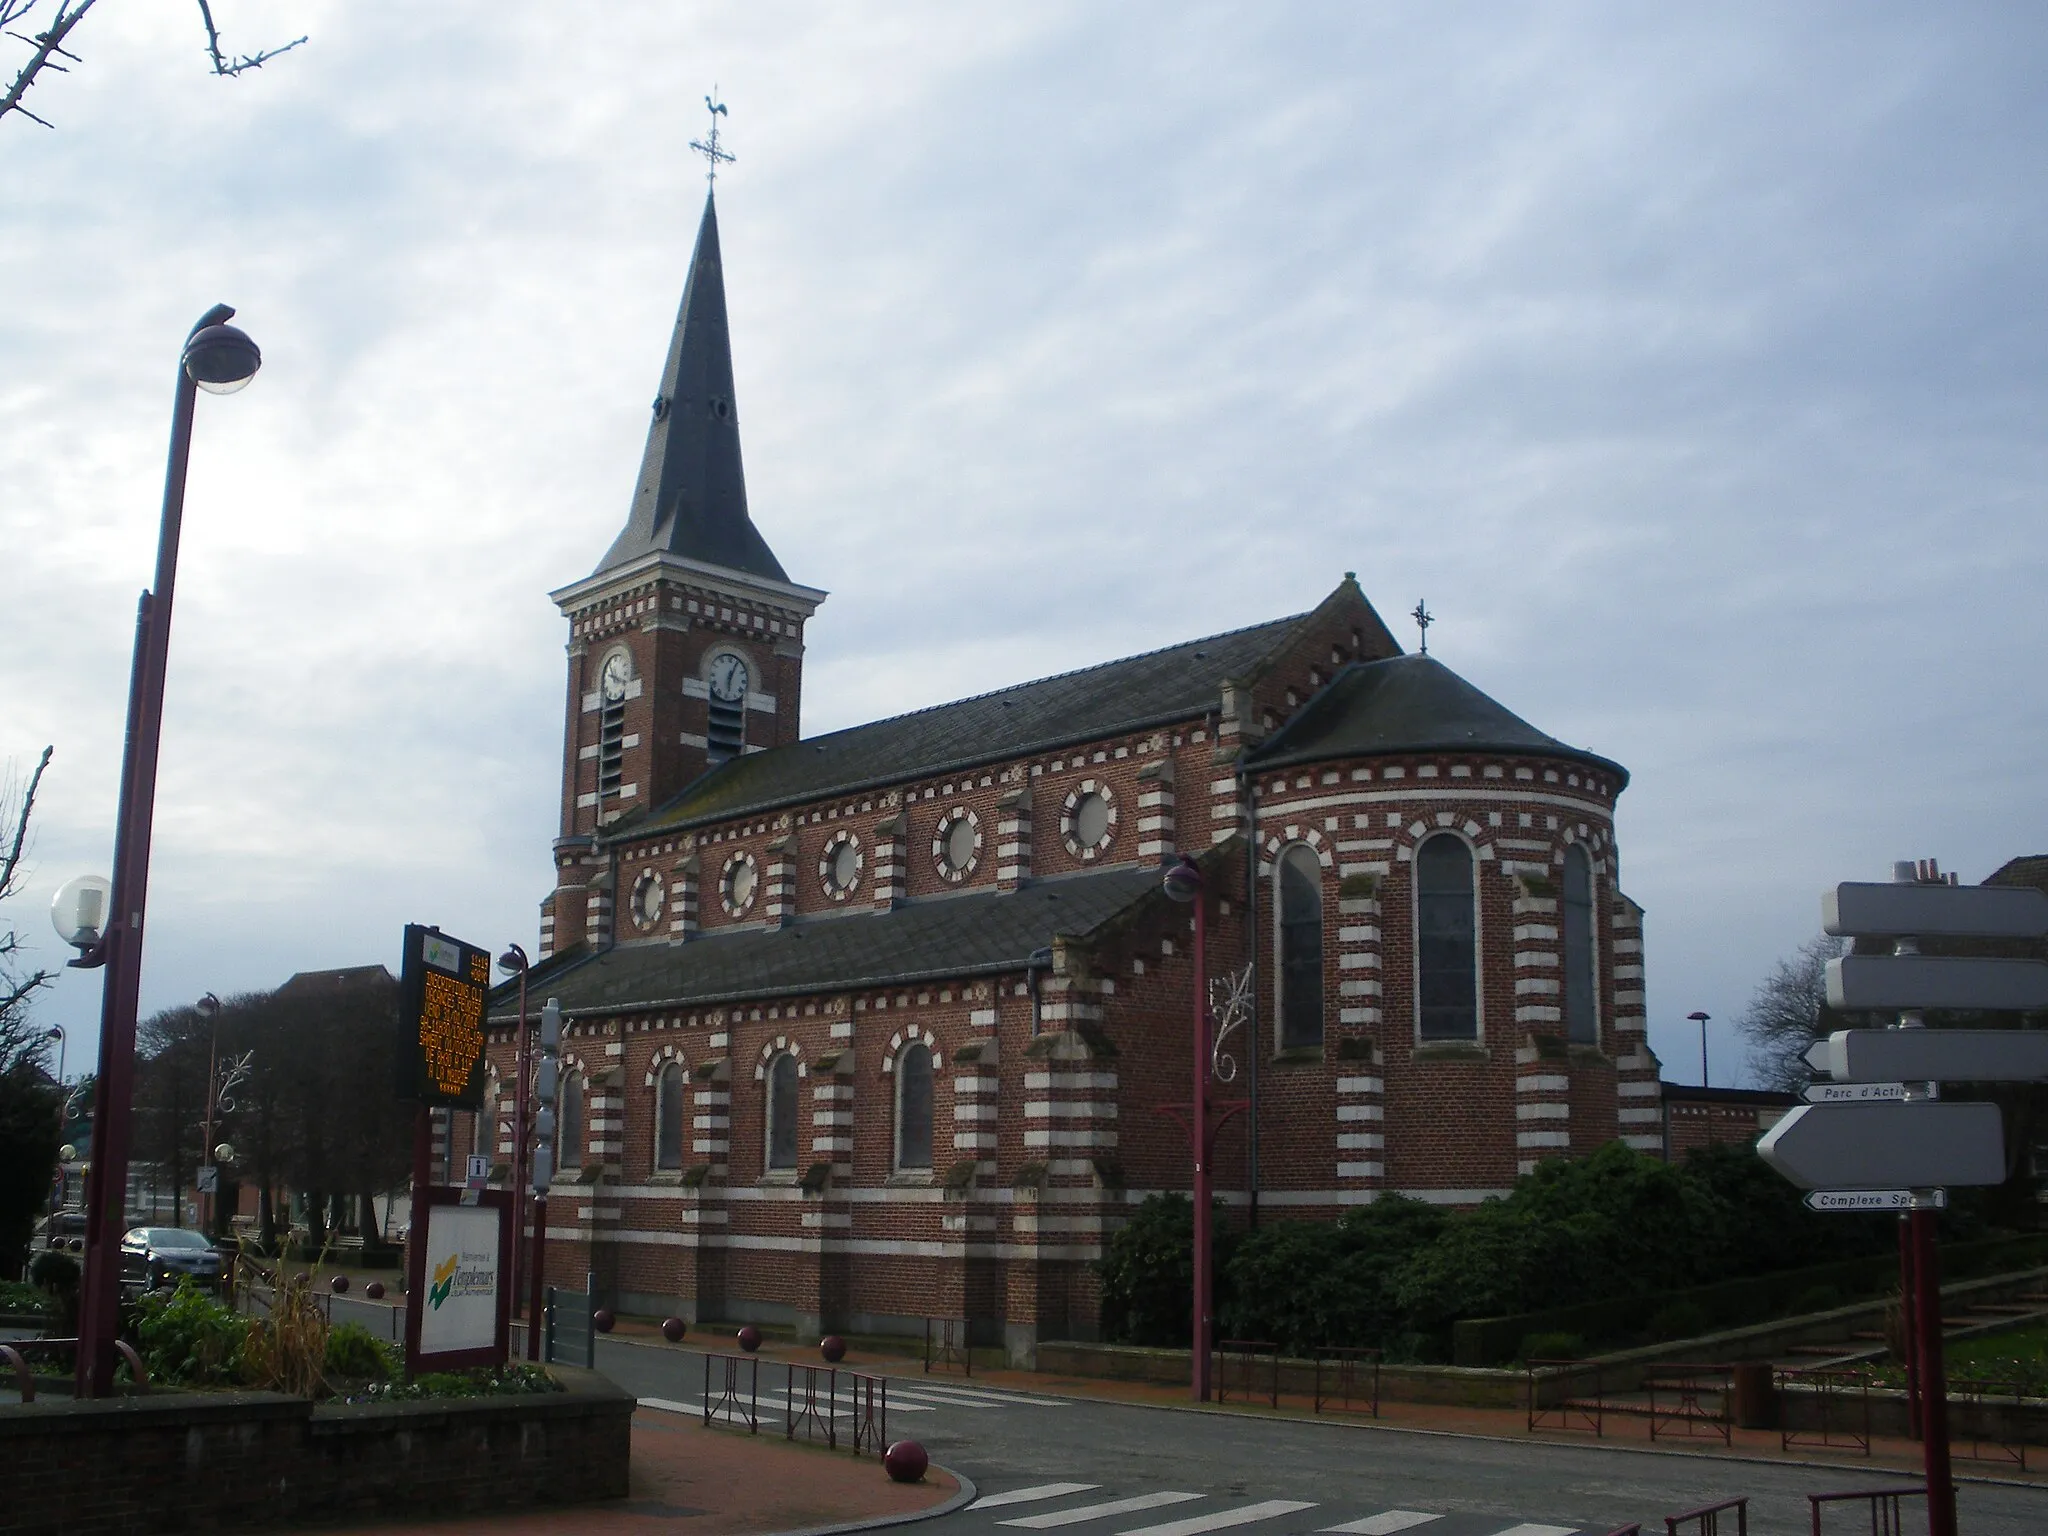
(154, 1256)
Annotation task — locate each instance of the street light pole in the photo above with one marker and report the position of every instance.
(209, 1008)
(514, 960)
(220, 359)
(1701, 1020)
(1184, 882)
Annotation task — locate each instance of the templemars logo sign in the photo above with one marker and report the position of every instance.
(444, 1281)
(463, 1274)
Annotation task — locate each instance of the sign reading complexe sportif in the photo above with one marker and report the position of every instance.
(441, 1020)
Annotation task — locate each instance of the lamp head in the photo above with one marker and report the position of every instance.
(79, 910)
(513, 961)
(1183, 880)
(224, 1153)
(221, 359)
(1699, 1018)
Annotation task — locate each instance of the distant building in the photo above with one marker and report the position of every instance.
(1706, 1117)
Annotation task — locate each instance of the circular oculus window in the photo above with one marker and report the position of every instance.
(957, 845)
(736, 886)
(648, 896)
(840, 867)
(1088, 820)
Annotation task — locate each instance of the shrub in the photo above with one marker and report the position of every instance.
(1816, 1298)
(17, 1296)
(1147, 1271)
(190, 1337)
(54, 1272)
(1553, 1346)
(1680, 1320)
(356, 1354)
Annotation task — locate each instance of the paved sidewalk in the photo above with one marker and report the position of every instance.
(689, 1479)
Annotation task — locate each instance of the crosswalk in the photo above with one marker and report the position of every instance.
(912, 1397)
(1145, 1514)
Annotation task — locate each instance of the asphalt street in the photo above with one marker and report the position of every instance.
(1043, 1462)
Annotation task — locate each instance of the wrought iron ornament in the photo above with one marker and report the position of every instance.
(1423, 619)
(1230, 1009)
(234, 1071)
(708, 147)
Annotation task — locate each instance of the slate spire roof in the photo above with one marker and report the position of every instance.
(691, 499)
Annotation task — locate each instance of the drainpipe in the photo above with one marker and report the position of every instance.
(1038, 960)
(1248, 793)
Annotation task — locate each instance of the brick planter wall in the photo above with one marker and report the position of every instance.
(179, 1461)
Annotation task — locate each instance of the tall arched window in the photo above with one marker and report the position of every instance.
(1581, 1018)
(1300, 907)
(569, 1123)
(782, 1112)
(668, 1117)
(914, 1108)
(1446, 954)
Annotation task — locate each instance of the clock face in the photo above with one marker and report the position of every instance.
(728, 678)
(618, 671)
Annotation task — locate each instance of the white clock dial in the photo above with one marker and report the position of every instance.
(728, 678)
(618, 671)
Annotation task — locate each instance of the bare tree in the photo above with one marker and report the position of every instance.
(1788, 1012)
(47, 48)
(21, 1044)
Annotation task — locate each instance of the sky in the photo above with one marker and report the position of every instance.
(1689, 361)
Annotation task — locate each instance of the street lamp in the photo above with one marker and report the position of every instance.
(1184, 883)
(1701, 1020)
(218, 359)
(514, 963)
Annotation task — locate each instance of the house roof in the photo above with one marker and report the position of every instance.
(691, 499)
(337, 980)
(2027, 869)
(982, 933)
(1408, 704)
(1119, 696)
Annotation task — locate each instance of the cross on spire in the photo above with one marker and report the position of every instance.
(708, 147)
(1423, 619)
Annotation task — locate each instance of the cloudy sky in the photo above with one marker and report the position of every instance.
(1688, 361)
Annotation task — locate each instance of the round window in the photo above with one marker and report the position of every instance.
(739, 884)
(1091, 820)
(959, 845)
(648, 895)
(956, 846)
(845, 866)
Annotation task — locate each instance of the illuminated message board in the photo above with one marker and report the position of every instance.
(441, 1020)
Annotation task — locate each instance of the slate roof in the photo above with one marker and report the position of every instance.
(2027, 869)
(1119, 696)
(989, 931)
(1408, 704)
(691, 499)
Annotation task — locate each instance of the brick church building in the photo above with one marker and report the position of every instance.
(880, 1025)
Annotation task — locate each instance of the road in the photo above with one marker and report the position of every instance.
(1043, 1462)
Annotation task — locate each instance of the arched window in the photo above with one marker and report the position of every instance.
(914, 1107)
(1446, 954)
(1300, 905)
(569, 1123)
(668, 1117)
(1581, 1018)
(782, 1112)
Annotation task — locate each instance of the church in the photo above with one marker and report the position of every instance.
(895, 1023)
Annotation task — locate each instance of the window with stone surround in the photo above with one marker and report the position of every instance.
(914, 1108)
(1446, 941)
(783, 1112)
(668, 1117)
(1299, 906)
(1581, 1016)
(569, 1123)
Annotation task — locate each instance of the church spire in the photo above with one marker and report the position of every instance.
(692, 496)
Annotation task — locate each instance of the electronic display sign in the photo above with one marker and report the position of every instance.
(441, 1020)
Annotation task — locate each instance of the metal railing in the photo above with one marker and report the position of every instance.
(1707, 1521)
(737, 1402)
(1556, 1397)
(1886, 1518)
(946, 1345)
(815, 1398)
(1983, 1397)
(870, 1411)
(1840, 1401)
(1348, 1381)
(1679, 1395)
(802, 1407)
(1239, 1364)
(569, 1328)
(16, 1356)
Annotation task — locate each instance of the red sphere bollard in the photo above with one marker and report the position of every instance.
(673, 1329)
(302, 1278)
(602, 1319)
(338, 1284)
(374, 1290)
(750, 1338)
(905, 1461)
(833, 1348)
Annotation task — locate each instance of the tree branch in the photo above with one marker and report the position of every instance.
(12, 865)
(221, 66)
(46, 44)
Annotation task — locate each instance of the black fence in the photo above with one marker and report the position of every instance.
(820, 1402)
(569, 1328)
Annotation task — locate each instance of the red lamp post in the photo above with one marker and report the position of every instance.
(1184, 883)
(219, 359)
(514, 962)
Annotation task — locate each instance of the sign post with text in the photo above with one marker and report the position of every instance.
(458, 1250)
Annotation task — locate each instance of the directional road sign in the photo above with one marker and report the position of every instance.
(1871, 1199)
(1852, 1093)
(1903, 910)
(1864, 983)
(1886, 1145)
(1873, 1056)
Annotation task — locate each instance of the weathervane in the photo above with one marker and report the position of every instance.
(708, 147)
(1423, 619)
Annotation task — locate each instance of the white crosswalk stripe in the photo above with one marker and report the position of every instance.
(1222, 1520)
(1130, 1506)
(1385, 1524)
(1031, 1495)
(975, 1397)
(1530, 1528)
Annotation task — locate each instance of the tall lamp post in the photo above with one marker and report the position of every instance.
(1701, 1020)
(1184, 883)
(514, 963)
(218, 359)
